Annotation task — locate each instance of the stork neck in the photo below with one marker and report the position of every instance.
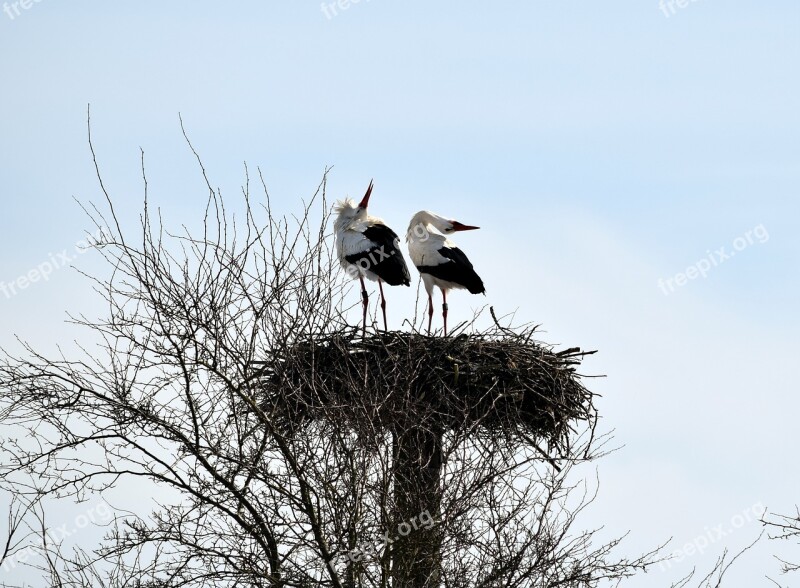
(424, 226)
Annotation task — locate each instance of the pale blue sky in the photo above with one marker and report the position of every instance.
(601, 146)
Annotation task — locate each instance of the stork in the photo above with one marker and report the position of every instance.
(367, 248)
(438, 259)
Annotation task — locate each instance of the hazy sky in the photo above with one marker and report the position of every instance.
(601, 146)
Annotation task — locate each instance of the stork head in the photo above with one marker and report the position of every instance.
(349, 212)
(424, 220)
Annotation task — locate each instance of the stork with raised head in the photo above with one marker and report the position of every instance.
(367, 248)
(438, 259)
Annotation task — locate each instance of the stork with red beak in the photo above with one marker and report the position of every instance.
(438, 259)
(367, 248)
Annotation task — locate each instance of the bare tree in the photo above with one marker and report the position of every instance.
(785, 528)
(301, 453)
(716, 576)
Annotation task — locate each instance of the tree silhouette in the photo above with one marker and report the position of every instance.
(302, 453)
(785, 528)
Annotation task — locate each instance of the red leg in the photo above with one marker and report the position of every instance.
(383, 305)
(365, 302)
(444, 310)
(430, 312)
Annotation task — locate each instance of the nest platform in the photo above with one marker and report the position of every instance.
(498, 382)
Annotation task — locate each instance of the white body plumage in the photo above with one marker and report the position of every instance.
(440, 263)
(367, 248)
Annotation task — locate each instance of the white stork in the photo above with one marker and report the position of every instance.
(438, 259)
(368, 248)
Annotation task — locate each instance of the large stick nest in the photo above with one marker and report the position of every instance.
(496, 382)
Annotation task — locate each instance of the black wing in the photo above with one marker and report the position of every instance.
(458, 270)
(385, 259)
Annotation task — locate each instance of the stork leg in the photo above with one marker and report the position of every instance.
(430, 311)
(444, 310)
(365, 302)
(383, 305)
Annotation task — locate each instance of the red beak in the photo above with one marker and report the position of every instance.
(457, 226)
(365, 200)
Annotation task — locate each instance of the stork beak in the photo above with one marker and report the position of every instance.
(365, 200)
(457, 226)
